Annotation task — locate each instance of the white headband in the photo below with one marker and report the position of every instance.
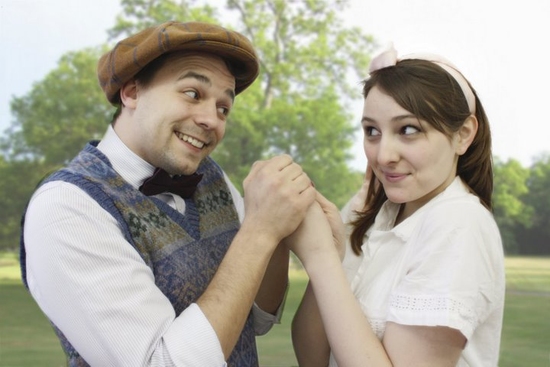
(389, 58)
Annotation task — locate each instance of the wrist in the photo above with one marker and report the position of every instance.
(321, 258)
(257, 237)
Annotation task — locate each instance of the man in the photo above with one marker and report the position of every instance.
(151, 277)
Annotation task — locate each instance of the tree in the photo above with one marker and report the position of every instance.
(52, 123)
(298, 105)
(511, 212)
(311, 66)
(18, 180)
(139, 14)
(61, 113)
(537, 239)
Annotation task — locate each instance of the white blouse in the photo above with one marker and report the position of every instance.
(442, 266)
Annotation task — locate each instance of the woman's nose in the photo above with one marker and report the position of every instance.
(388, 151)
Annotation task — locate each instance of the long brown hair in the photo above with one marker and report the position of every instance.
(433, 95)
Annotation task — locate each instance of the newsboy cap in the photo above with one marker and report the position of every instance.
(132, 54)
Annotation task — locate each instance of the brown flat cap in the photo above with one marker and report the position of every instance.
(131, 55)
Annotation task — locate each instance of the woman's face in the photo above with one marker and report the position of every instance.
(413, 161)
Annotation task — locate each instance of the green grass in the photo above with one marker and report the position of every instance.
(275, 348)
(27, 339)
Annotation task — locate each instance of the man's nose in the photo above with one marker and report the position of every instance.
(206, 115)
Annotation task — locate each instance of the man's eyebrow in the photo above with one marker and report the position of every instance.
(204, 79)
(201, 78)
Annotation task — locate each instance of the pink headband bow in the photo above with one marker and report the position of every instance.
(389, 58)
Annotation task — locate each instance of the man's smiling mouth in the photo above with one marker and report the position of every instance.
(189, 139)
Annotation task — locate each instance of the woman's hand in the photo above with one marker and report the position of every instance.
(335, 221)
(312, 236)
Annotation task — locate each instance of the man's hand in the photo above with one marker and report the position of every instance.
(277, 194)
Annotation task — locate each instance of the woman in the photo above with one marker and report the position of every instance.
(424, 257)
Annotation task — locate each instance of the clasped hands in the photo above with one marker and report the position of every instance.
(281, 203)
(320, 233)
(322, 228)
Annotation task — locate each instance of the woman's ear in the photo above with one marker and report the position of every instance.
(129, 94)
(466, 134)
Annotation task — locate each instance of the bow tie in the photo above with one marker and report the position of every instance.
(161, 181)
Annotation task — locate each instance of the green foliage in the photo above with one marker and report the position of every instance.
(509, 208)
(522, 205)
(61, 113)
(537, 239)
(311, 65)
(140, 14)
(52, 123)
(19, 179)
(297, 106)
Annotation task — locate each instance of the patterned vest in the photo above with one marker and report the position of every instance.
(191, 245)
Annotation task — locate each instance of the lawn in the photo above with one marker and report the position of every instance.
(26, 338)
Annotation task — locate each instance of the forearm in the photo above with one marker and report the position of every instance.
(308, 334)
(275, 281)
(228, 299)
(351, 339)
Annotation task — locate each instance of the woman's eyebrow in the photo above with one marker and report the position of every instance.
(395, 118)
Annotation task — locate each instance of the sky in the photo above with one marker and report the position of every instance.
(498, 45)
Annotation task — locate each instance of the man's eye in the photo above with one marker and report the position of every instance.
(223, 110)
(191, 93)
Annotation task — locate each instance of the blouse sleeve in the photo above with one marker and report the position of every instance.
(454, 275)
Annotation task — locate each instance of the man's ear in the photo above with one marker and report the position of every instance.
(129, 94)
(466, 134)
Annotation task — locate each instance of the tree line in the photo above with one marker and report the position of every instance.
(311, 67)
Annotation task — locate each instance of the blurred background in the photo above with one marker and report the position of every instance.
(307, 103)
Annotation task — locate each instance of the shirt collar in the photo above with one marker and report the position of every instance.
(388, 213)
(129, 165)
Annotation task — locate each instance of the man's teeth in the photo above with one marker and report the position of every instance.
(194, 142)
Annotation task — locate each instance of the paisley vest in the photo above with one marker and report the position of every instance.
(183, 251)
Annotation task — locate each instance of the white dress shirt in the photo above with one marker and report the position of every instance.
(442, 266)
(97, 289)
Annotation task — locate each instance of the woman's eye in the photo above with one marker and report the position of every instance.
(409, 129)
(371, 131)
(191, 93)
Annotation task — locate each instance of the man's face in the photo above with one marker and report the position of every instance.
(179, 117)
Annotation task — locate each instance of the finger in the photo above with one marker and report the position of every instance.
(266, 168)
(277, 163)
(325, 203)
(282, 161)
(321, 199)
(301, 183)
(292, 170)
